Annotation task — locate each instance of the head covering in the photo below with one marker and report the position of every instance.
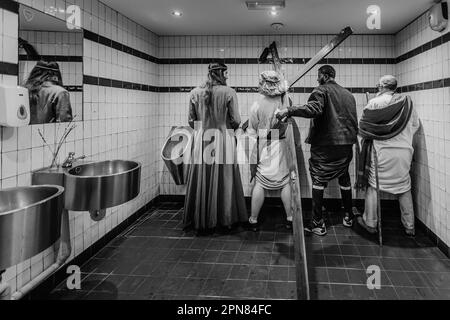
(217, 66)
(271, 84)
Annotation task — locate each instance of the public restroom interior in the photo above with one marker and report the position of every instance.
(131, 67)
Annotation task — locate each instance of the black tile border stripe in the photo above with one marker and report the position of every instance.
(10, 5)
(284, 61)
(10, 69)
(434, 238)
(118, 46)
(436, 84)
(425, 47)
(104, 82)
(58, 58)
(74, 88)
(97, 81)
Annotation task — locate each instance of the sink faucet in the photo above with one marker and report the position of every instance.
(71, 159)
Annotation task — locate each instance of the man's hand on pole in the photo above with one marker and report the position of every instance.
(281, 114)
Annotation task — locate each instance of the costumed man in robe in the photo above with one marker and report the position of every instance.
(214, 195)
(271, 169)
(387, 127)
(333, 131)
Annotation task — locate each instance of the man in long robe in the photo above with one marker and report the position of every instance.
(387, 126)
(333, 132)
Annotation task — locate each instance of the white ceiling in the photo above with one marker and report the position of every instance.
(227, 17)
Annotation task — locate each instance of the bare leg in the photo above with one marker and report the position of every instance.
(286, 198)
(258, 195)
(407, 210)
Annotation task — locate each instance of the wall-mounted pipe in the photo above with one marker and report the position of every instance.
(64, 251)
(4, 287)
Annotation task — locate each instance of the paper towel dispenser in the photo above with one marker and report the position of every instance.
(14, 106)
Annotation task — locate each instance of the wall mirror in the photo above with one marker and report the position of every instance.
(50, 66)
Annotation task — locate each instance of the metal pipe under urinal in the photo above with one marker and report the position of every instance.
(64, 251)
(4, 287)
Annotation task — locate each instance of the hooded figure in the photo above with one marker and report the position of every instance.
(49, 101)
(214, 195)
(270, 167)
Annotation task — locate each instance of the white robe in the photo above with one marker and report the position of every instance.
(395, 154)
(273, 168)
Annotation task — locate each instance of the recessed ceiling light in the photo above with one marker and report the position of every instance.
(177, 13)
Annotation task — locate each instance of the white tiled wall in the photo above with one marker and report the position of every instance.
(175, 105)
(431, 169)
(129, 124)
(118, 123)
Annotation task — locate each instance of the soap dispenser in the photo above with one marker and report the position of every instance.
(14, 106)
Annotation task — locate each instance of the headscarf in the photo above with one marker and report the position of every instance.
(271, 84)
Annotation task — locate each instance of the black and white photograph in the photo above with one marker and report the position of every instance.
(236, 158)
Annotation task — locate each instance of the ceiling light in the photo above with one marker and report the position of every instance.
(177, 13)
(277, 26)
(265, 5)
(273, 13)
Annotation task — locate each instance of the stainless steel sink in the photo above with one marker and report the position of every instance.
(30, 221)
(101, 185)
(94, 186)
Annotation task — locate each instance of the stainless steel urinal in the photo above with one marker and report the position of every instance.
(176, 153)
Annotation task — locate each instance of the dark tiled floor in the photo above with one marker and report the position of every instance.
(410, 268)
(156, 259)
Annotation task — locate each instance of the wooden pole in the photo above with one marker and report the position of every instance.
(297, 223)
(380, 235)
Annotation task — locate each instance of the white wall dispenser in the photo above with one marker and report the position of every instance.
(14, 106)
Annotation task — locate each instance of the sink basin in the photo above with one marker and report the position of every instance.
(101, 185)
(30, 221)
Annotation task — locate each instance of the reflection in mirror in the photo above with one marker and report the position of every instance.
(51, 67)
